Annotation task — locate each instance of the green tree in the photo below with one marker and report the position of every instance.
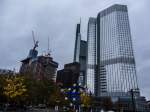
(38, 90)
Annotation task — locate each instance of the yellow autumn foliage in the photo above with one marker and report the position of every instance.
(85, 99)
(14, 87)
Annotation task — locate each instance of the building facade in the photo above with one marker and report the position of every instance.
(111, 69)
(77, 44)
(126, 104)
(80, 55)
(39, 67)
(91, 55)
(82, 61)
(69, 75)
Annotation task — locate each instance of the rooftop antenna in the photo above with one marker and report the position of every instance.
(48, 48)
(80, 27)
(80, 20)
(35, 42)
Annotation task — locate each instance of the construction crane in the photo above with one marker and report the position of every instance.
(35, 42)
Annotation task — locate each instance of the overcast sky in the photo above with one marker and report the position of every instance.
(57, 19)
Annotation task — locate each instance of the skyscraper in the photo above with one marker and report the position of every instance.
(77, 44)
(80, 54)
(111, 69)
(91, 55)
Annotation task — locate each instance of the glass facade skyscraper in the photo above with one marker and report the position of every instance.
(80, 54)
(91, 55)
(111, 69)
(77, 44)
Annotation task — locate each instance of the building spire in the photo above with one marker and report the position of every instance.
(80, 20)
(80, 24)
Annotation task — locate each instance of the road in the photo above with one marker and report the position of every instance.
(41, 110)
(32, 110)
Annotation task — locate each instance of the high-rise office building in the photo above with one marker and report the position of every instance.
(80, 54)
(91, 55)
(77, 44)
(111, 69)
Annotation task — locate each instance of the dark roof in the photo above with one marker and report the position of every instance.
(72, 64)
(25, 60)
